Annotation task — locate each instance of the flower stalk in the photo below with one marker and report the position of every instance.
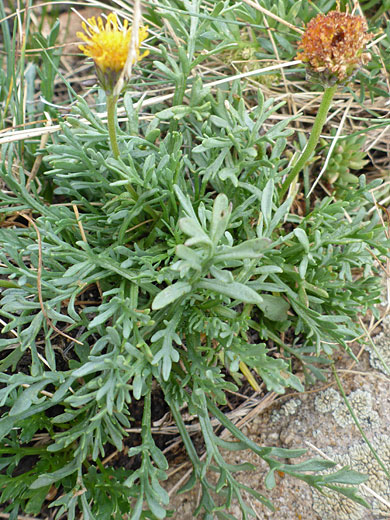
(333, 49)
(114, 48)
(313, 140)
(111, 113)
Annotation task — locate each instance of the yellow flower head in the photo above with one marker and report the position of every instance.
(108, 46)
(333, 45)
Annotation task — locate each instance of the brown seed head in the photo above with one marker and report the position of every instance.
(333, 45)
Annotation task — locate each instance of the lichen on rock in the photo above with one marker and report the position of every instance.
(380, 351)
(360, 401)
(327, 401)
(289, 408)
(363, 460)
(342, 415)
(332, 506)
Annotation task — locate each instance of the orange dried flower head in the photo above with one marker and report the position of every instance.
(108, 46)
(333, 46)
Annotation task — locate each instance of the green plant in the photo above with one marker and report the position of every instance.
(333, 47)
(152, 268)
(348, 155)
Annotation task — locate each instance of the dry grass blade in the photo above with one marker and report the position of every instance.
(132, 54)
(272, 15)
(12, 136)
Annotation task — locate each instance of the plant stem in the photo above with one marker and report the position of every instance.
(313, 140)
(111, 113)
(356, 421)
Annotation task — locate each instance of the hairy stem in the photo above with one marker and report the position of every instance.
(313, 140)
(111, 112)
